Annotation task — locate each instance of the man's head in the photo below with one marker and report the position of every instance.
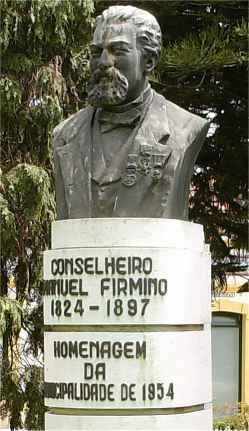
(125, 49)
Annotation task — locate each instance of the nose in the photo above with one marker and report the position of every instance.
(106, 60)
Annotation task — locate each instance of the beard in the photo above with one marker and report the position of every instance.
(107, 88)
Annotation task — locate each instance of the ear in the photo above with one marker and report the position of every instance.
(150, 64)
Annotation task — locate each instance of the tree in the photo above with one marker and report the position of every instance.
(43, 79)
(44, 49)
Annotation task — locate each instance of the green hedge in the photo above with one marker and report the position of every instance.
(238, 422)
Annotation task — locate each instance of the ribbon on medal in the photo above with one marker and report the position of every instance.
(146, 163)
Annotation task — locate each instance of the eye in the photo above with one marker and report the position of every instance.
(119, 50)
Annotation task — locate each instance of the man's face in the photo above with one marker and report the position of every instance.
(117, 66)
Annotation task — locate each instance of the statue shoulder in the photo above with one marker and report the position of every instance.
(68, 127)
(182, 121)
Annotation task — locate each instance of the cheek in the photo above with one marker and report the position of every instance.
(130, 66)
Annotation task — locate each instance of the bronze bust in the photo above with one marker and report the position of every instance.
(131, 152)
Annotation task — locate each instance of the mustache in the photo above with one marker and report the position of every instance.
(108, 75)
(107, 87)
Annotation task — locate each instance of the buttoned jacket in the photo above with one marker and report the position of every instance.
(169, 131)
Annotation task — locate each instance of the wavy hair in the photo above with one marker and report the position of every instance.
(148, 31)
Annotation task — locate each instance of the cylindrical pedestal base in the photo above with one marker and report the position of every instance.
(192, 421)
(127, 326)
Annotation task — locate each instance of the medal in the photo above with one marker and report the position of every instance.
(156, 175)
(145, 159)
(158, 163)
(132, 162)
(130, 177)
(144, 163)
(158, 160)
(129, 180)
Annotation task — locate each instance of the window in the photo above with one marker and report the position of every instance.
(226, 354)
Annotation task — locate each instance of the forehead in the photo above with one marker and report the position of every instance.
(108, 33)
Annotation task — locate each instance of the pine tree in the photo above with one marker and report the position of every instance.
(43, 79)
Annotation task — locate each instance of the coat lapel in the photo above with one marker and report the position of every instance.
(75, 162)
(154, 130)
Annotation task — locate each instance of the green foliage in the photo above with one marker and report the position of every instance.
(242, 30)
(34, 408)
(210, 49)
(43, 44)
(27, 209)
(26, 204)
(10, 94)
(43, 24)
(18, 63)
(14, 403)
(43, 70)
(27, 190)
(10, 324)
(238, 421)
(10, 316)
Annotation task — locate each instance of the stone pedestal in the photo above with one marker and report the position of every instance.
(127, 320)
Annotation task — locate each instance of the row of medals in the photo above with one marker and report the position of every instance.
(144, 163)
